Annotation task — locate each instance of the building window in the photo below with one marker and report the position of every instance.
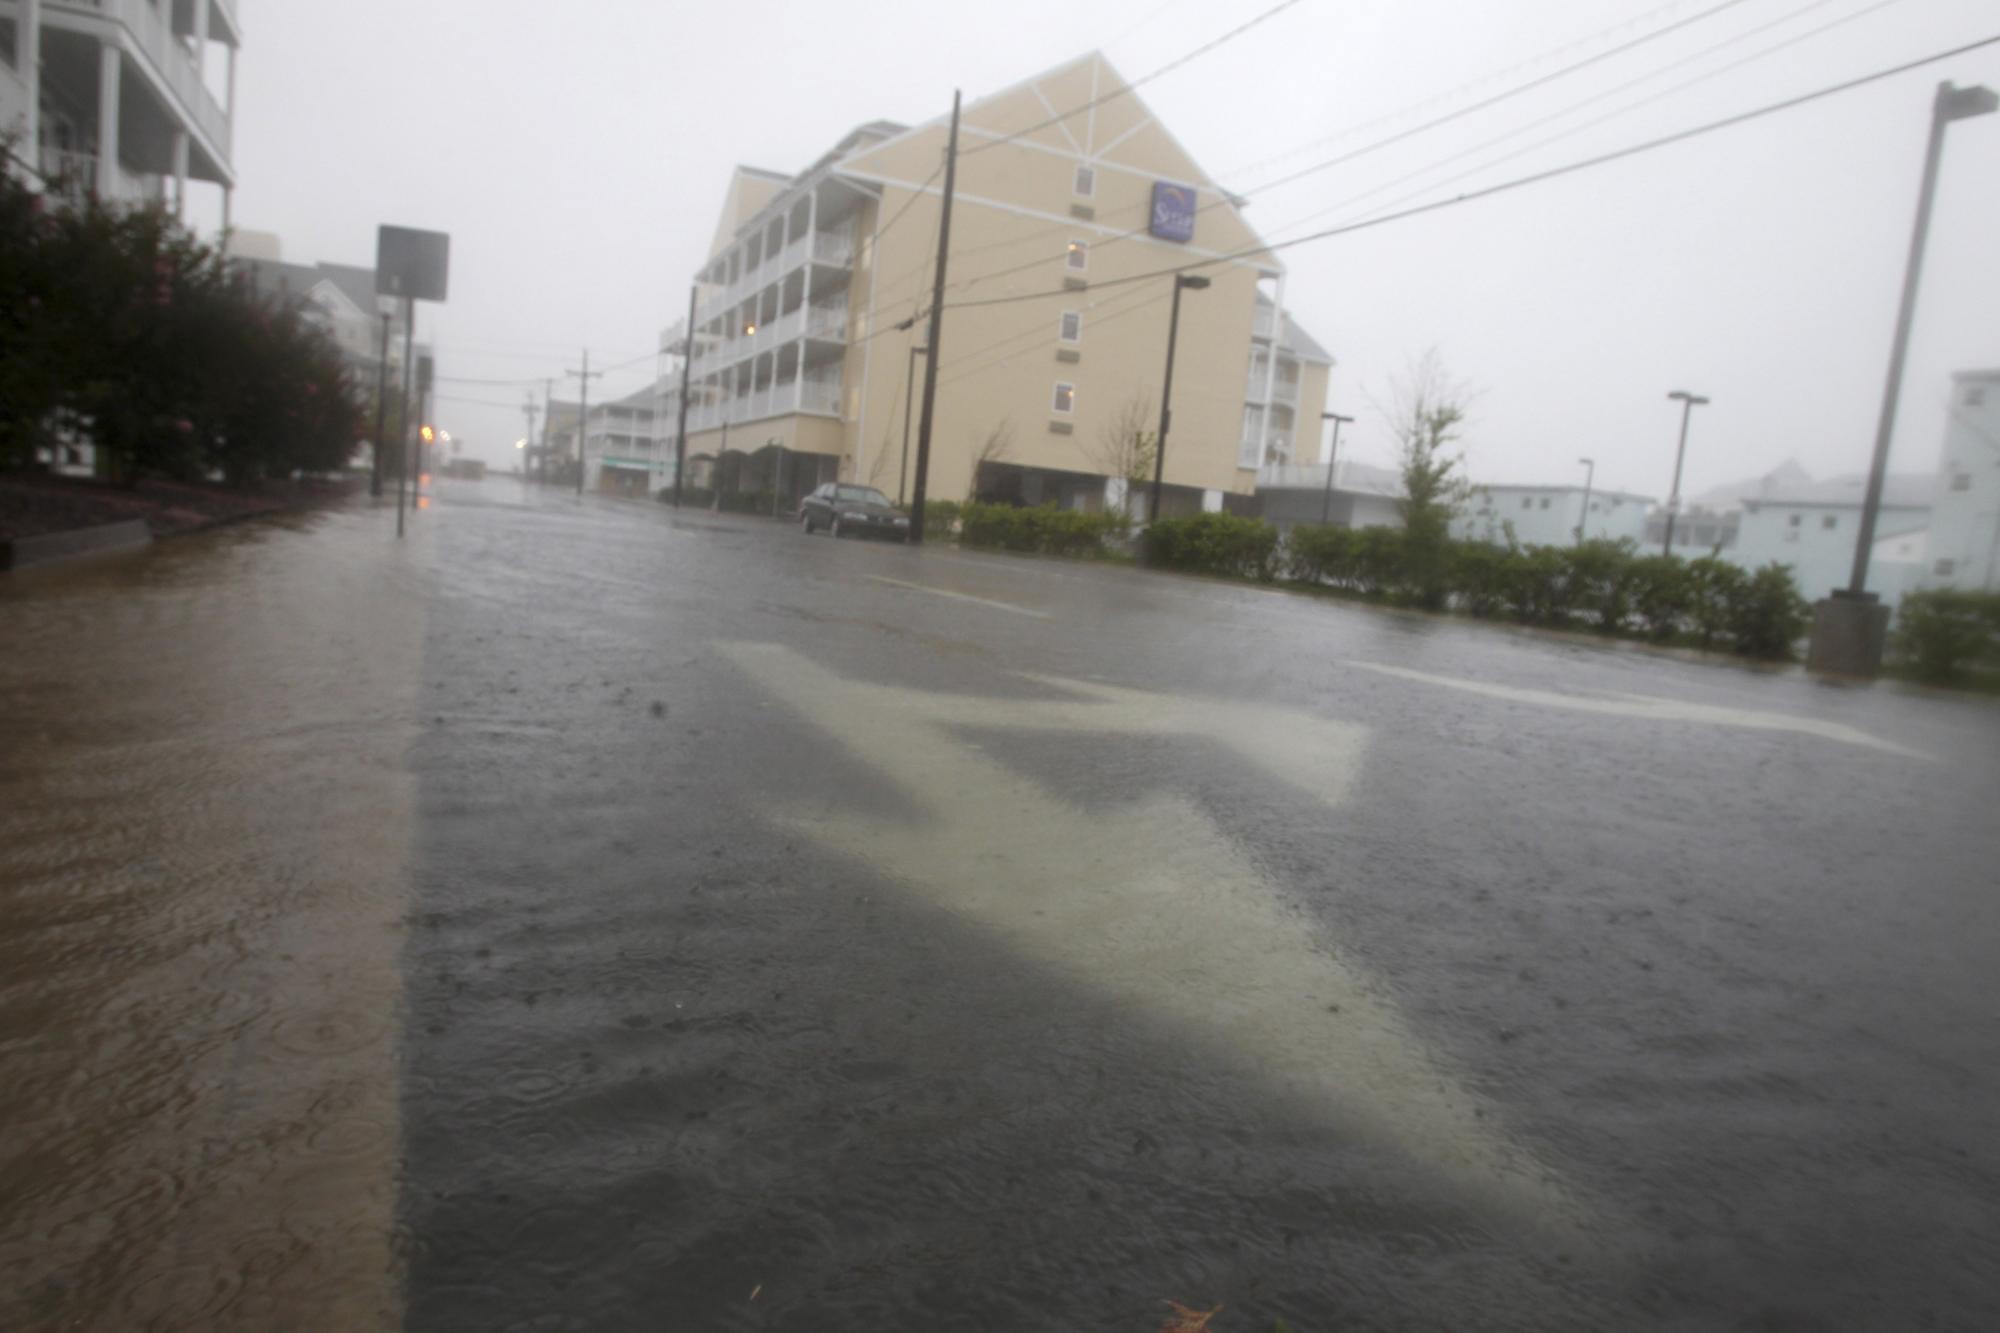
(1961, 481)
(1545, 502)
(1943, 568)
(1078, 258)
(1975, 395)
(1796, 520)
(1527, 502)
(1065, 402)
(1830, 522)
(1086, 181)
(1071, 328)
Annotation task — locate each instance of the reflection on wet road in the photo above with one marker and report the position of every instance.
(584, 917)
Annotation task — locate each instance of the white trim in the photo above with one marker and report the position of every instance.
(1062, 322)
(1145, 122)
(1055, 398)
(1269, 266)
(1056, 117)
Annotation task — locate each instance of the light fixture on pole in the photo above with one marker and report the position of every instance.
(1583, 518)
(1689, 402)
(1849, 628)
(1332, 455)
(1188, 282)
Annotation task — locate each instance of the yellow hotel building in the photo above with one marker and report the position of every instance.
(811, 311)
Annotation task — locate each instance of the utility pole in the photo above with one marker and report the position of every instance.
(381, 413)
(1689, 402)
(548, 424)
(409, 360)
(1332, 456)
(1187, 282)
(1583, 518)
(936, 331)
(909, 387)
(687, 366)
(528, 411)
(584, 377)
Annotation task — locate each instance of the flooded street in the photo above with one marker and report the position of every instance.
(583, 917)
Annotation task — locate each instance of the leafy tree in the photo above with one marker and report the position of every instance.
(1427, 413)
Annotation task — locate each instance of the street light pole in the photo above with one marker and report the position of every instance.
(687, 367)
(1583, 519)
(1950, 104)
(1332, 456)
(1688, 402)
(1189, 282)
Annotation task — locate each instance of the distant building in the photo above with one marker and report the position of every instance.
(1813, 527)
(622, 449)
(1963, 548)
(1549, 515)
(341, 299)
(1708, 521)
(1362, 496)
(127, 100)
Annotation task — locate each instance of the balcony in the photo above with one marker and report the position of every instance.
(827, 321)
(169, 58)
(1262, 323)
(1285, 391)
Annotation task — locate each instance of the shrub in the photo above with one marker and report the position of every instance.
(1320, 553)
(1221, 544)
(692, 497)
(1378, 561)
(1537, 583)
(1479, 572)
(1766, 613)
(1942, 632)
(1598, 582)
(747, 502)
(1713, 587)
(1052, 531)
(940, 517)
(1662, 594)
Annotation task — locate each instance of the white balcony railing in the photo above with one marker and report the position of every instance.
(821, 397)
(827, 321)
(1285, 391)
(833, 247)
(1262, 322)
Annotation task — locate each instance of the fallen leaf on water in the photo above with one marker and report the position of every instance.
(1184, 1320)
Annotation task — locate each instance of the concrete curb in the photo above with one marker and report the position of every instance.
(24, 551)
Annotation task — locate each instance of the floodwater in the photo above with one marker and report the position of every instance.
(204, 820)
(579, 916)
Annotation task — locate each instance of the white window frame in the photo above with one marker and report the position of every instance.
(1056, 398)
(1077, 258)
(1062, 327)
(1084, 182)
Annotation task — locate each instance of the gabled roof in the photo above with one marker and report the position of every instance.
(1562, 488)
(1296, 340)
(357, 283)
(1900, 490)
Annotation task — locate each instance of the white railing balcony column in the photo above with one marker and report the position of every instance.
(833, 247)
(827, 321)
(1261, 324)
(1286, 391)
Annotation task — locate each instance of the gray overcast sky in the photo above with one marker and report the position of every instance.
(577, 153)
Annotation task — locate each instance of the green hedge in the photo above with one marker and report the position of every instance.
(692, 497)
(1605, 586)
(1942, 633)
(747, 502)
(1214, 544)
(1045, 529)
(940, 517)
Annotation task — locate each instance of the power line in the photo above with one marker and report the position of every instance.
(1520, 182)
(1225, 197)
(1141, 82)
(1595, 98)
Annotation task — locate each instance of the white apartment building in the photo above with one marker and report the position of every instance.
(1550, 515)
(1357, 495)
(1813, 527)
(129, 100)
(621, 445)
(339, 298)
(1963, 546)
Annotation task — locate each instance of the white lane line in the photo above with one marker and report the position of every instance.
(1657, 709)
(960, 596)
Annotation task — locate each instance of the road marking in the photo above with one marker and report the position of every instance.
(961, 596)
(1153, 905)
(1653, 708)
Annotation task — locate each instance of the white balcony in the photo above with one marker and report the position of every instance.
(1285, 391)
(169, 60)
(1262, 323)
(833, 247)
(821, 396)
(827, 321)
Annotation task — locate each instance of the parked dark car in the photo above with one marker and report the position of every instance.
(859, 511)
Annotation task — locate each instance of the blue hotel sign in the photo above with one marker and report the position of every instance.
(1173, 211)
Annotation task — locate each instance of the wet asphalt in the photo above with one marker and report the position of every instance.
(818, 936)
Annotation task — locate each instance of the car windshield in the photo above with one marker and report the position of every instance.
(860, 495)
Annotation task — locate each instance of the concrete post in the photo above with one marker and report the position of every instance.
(180, 173)
(28, 42)
(201, 37)
(110, 70)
